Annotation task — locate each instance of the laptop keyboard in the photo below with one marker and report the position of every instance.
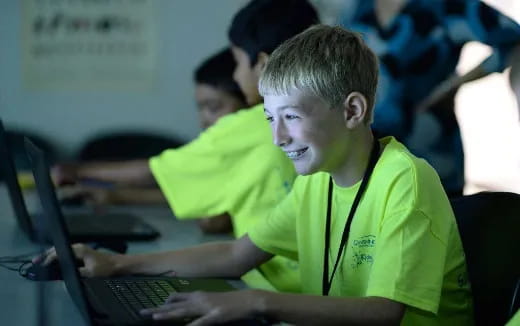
(139, 294)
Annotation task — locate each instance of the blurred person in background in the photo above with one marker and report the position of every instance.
(418, 43)
(233, 167)
(216, 95)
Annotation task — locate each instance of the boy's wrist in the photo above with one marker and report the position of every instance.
(81, 170)
(261, 301)
(121, 264)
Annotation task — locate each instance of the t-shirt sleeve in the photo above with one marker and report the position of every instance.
(195, 178)
(409, 263)
(277, 233)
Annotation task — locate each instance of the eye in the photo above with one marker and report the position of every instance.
(291, 117)
(214, 108)
(269, 118)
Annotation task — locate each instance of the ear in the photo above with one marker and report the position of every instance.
(261, 61)
(355, 108)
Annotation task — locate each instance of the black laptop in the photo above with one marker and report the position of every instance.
(83, 227)
(112, 301)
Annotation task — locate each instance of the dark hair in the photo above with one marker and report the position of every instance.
(262, 25)
(217, 71)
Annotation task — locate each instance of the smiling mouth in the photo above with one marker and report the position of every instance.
(297, 154)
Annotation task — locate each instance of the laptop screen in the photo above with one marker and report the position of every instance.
(53, 218)
(15, 193)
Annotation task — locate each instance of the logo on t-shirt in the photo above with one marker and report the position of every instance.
(365, 241)
(462, 280)
(362, 251)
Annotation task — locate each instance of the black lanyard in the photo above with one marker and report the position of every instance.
(374, 156)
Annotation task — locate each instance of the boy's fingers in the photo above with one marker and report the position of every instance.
(80, 250)
(211, 318)
(161, 309)
(176, 297)
(85, 272)
(72, 191)
(48, 256)
(173, 314)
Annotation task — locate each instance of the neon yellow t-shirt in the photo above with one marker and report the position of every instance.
(515, 321)
(403, 245)
(232, 167)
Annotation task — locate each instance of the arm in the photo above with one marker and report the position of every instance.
(99, 196)
(299, 309)
(145, 196)
(455, 81)
(216, 224)
(134, 172)
(222, 259)
(450, 85)
(219, 259)
(503, 36)
(316, 310)
(480, 71)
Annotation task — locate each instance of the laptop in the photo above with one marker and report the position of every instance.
(114, 301)
(107, 228)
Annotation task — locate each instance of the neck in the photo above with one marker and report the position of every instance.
(353, 168)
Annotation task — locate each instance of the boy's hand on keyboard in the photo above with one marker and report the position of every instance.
(93, 196)
(96, 263)
(65, 173)
(208, 308)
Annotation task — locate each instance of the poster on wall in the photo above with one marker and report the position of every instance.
(93, 45)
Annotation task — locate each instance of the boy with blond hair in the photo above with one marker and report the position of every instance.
(369, 223)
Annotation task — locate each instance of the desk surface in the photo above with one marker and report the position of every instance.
(19, 302)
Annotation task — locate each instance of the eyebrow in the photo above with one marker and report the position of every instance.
(285, 107)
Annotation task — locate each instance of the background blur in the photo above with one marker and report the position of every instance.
(488, 115)
(187, 31)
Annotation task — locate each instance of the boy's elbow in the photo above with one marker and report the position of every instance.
(246, 255)
(216, 224)
(390, 312)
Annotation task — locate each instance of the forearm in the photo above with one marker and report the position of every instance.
(317, 310)
(145, 196)
(474, 74)
(455, 81)
(135, 172)
(447, 88)
(207, 260)
(479, 71)
(216, 224)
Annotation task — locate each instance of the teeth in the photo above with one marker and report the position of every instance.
(296, 154)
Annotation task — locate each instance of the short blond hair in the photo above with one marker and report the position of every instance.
(330, 62)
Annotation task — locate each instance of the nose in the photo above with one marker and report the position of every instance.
(281, 136)
(204, 118)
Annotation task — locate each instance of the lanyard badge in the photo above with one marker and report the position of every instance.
(327, 282)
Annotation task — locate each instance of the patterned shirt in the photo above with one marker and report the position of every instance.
(418, 49)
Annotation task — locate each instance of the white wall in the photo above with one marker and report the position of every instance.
(488, 116)
(189, 31)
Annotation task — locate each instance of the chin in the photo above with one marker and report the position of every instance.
(304, 170)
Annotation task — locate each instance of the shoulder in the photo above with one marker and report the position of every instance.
(397, 162)
(248, 119)
(406, 184)
(400, 173)
(241, 130)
